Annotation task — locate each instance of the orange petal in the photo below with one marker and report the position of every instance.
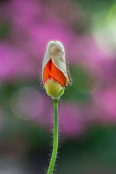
(51, 71)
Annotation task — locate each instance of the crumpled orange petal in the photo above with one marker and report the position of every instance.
(51, 71)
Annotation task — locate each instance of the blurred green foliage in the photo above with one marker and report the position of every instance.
(95, 6)
(5, 30)
(94, 152)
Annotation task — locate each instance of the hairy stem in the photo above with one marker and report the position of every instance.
(55, 140)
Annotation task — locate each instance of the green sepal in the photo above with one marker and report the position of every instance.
(61, 92)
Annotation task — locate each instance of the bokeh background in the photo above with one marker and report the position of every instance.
(87, 110)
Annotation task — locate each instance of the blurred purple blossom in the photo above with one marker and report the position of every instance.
(105, 104)
(32, 26)
(14, 63)
(70, 120)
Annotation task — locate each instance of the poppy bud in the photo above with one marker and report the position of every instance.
(54, 70)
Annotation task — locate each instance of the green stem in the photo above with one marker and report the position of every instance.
(55, 142)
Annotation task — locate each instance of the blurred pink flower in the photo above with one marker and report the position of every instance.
(105, 104)
(108, 67)
(33, 24)
(14, 63)
(70, 120)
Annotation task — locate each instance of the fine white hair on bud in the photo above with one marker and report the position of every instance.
(56, 52)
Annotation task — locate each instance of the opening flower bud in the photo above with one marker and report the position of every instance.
(54, 70)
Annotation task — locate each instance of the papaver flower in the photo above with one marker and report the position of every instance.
(55, 77)
(54, 70)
